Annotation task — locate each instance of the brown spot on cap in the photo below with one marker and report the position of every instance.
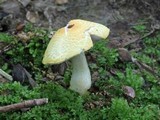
(70, 26)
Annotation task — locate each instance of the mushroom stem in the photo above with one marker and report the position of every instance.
(81, 78)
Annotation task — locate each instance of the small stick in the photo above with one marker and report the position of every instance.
(6, 75)
(24, 104)
(154, 29)
(137, 39)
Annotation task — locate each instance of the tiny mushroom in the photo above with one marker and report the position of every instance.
(72, 41)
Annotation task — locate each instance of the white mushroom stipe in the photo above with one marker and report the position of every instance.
(81, 78)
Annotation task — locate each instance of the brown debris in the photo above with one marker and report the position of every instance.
(143, 66)
(95, 76)
(114, 44)
(129, 39)
(129, 91)
(59, 68)
(3, 80)
(25, 37)
(124, 55)
(20, 27)
(20, 74)
(33, 17)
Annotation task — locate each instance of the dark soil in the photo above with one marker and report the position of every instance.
(119, 16)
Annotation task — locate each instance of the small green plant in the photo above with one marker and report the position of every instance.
(30, 53)
(15, 92)
(4, 37)
(140, 28)
(105, 57)
(63, 104)
(121, 110)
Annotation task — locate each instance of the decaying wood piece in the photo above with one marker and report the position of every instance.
(20, 74)
(24, 104)
(6, 75)
(143, 66)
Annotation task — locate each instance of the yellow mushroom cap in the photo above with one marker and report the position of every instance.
(71, 40)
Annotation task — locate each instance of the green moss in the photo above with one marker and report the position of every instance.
(4, 37)
(65, 104)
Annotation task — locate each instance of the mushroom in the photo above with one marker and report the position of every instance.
(72, 41)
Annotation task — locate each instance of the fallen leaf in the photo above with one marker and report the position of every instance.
(20, 27)
(3, 80)
(114, 44)
(113, 71)
(59, 68)
(95, 76)
(129, 91)
(20, 74)
(25, 37)
(33, 17)
(124, 55)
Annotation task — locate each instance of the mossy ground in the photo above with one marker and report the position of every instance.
(105, 100)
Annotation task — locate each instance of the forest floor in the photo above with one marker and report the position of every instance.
(125, 68)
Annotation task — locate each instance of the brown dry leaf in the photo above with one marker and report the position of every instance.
(60, 2)
(25, 37)
(95, 76)
(49, 74)
(59, 68)
(20, 27)
(3, 80)
(129, 91)
(145, 67)
(113, 71)
(129, 39)
(20, 74)
(124, 54)
(33, 17)
(114, 44)
(2, 45)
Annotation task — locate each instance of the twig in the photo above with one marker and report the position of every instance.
(22, 105)
(146, 67)
(30, 79)
(154, 28)
(143, 66)
(6, 48)
(6, 75)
